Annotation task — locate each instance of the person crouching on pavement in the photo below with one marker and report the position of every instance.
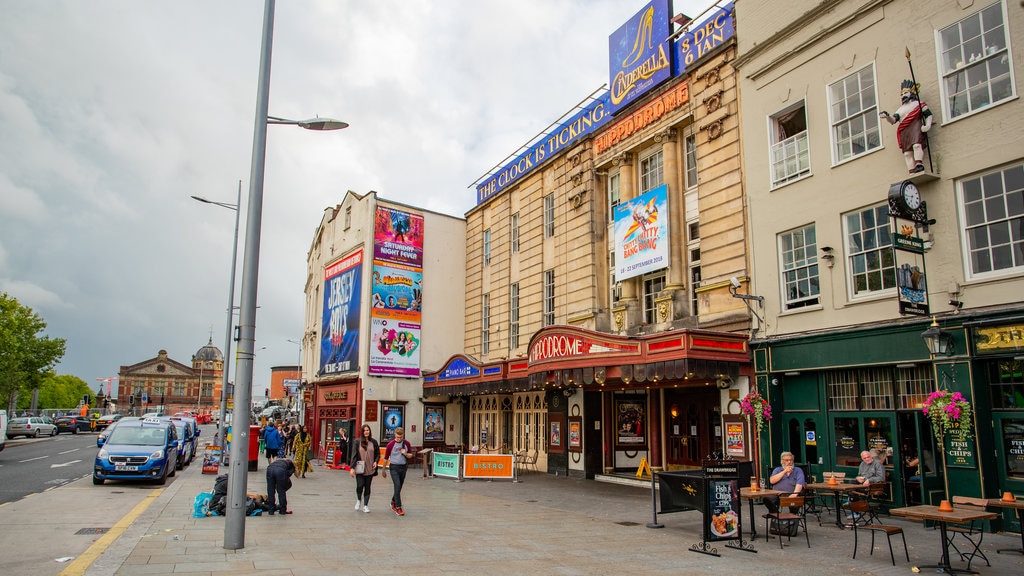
(396, 457)
(279, 480)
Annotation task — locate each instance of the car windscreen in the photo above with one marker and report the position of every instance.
(19, 421)
(137, 436)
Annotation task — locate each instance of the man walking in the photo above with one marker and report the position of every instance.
(272, 442)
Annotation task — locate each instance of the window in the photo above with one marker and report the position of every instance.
(513, 316)
(653, 283)
(798, 252)
(207, 391)
(862, 389)
(869, 245)
(992, 207)
(694, 284)
(514, 232)
(348, 217)
(616, 288)
(159, 388)
(790, 154)
(691, 160)
(613, 196)
(693, 229)
(693, 246)
(485, 324)
(549, 215)
(913, 386)
(975, 62)
(179, 388)
(549, 298)
(487, 246)
(854, 113)
(652, 172)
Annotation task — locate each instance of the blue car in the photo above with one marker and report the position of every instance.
(187, 433)
(138, 450)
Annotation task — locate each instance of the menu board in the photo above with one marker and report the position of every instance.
(723, 521)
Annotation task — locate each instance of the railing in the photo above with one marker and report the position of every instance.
(791, 159)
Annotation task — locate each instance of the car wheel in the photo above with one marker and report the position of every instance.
(163, 478)
(53, 431)
(36, 433)
(97, 481)
(173, 472)
(74, 430)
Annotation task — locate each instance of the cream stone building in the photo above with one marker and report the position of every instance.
(863, 261)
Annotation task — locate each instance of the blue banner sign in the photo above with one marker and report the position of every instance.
(638, 54)
(703, 39)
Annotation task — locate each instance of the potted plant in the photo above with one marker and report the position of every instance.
(948, 412)
(753, 404)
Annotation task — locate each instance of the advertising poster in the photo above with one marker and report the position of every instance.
(639, 57)
(433, 424)
(735, 439)
(398, 237)
(723, 516)
(631, 420)
(641, 234)
(394, 348)
(211, 459)
(396, 292)
(339, 341)
(394, 416)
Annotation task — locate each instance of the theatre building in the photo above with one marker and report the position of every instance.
(601, 323)
(890, 258)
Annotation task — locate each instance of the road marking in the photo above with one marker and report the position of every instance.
(69, 451)
(82, 563)
(31, 459)
(64, 464)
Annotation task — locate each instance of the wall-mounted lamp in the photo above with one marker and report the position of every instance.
(674, 410)
(938, 341)
(775, 381)
(828, 256)
(568, 392)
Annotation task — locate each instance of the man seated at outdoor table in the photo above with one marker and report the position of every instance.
(870, 470)
(787, 479)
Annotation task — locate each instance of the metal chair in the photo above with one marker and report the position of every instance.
(973, 532)
(863, 508)
(786, 515)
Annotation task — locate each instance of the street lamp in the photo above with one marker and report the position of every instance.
(939, 341)
(234, 521)
(302, 404)
(222, 421)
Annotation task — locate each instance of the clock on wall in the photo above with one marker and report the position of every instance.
(904, 199)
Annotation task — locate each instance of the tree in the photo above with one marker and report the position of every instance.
(26, 356)
(58, 391)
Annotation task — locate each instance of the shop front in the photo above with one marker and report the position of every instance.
(336, 409)
(588, 403)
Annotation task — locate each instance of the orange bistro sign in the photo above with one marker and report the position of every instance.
(643, 117)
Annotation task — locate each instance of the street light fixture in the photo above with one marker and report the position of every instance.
(234, 521)
(222, 418)
(939, 342)
(302, 404)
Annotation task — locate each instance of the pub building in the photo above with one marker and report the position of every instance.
(607, 291)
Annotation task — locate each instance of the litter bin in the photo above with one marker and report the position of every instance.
(254, 448)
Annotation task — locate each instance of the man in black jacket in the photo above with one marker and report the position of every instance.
(279, 480)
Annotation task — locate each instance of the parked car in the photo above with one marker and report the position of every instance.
(3, 426)
(104, 421)
(34, 426)
(72, 423)
(144, 449)
(188, 439)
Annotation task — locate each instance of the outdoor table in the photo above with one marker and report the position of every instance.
(957, 516)
(751, 495)
(838, 490)
(1017, 505)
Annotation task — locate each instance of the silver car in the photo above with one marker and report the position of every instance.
(34, 426)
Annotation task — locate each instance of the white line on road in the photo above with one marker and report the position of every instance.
(69, 451)
(64, 464)
(31, 459)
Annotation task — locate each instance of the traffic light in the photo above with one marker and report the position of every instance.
(266, 392)
(131, 400)
(86, 399)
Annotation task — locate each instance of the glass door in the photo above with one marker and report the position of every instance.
(922, 478)
(871, 431)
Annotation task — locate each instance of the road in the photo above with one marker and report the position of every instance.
(31, 465)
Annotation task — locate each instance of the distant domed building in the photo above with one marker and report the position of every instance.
(166, 385)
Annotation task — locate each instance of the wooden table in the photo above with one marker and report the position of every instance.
(957, 516)
(838, 490)
(751, 495)
(1017, 505)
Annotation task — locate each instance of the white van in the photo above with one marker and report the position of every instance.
(3, 429)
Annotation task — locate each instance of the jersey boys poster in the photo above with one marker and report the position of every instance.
(339, 343)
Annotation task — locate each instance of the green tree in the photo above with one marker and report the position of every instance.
(58, 391)
(26, 356)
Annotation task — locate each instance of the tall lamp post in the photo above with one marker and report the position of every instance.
(302, 405)
(222, 418)
(234, 521)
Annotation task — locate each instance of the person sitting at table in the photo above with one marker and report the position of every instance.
(870, 470)
(925, 464)
(787, 479)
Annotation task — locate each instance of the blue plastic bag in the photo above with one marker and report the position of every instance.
(201, 505)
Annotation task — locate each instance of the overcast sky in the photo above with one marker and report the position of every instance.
(113, 113)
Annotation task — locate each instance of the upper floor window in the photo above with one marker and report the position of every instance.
(691, 160)
(992, 211)
(653, 283)
(652, 173)
(790, 154)
(549, 298)
(487, 246)
(348, 217)
(514, 232)
(798, 254)
(513, 316)
(549, 215)
(613, 195)
(485, 324)
(853, 107)
(975, 62)
(869, 249)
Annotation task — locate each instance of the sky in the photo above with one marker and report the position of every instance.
(113, 113)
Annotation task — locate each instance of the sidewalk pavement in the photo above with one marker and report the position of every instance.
(543, 524)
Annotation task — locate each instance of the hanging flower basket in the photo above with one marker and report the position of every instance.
(948, 412)
(755, 405)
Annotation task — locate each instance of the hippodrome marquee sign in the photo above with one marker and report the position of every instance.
(638, 62)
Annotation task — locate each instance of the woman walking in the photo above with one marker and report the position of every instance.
(363, 466)
(302, 442)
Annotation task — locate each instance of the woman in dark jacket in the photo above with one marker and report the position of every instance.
(367, 451)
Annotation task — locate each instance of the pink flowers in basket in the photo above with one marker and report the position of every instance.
(948, 412)
(755, 405)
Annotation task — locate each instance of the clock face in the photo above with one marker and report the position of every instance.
(911, 195)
